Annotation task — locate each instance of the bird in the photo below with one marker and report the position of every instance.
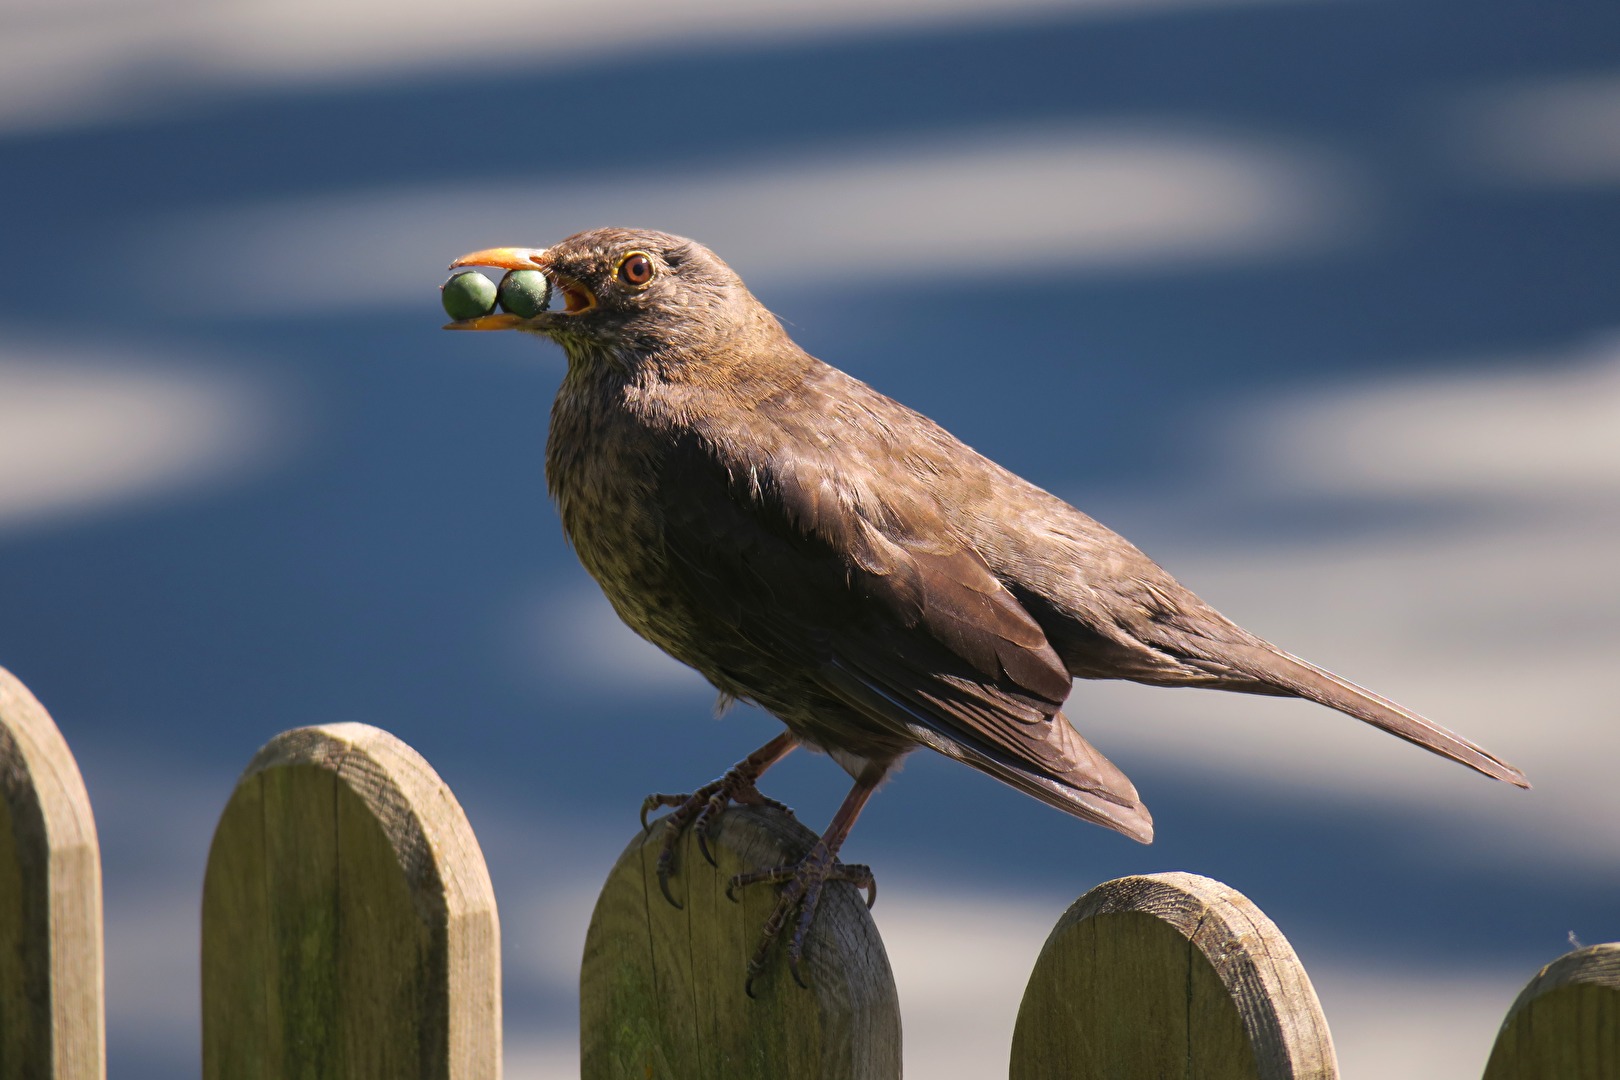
(818, 549)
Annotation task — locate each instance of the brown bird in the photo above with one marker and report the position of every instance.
(816, 548)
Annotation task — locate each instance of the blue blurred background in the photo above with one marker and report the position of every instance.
(1313, 299)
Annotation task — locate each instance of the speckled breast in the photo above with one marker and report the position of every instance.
(602, 467)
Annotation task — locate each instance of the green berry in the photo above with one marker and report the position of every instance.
(467, 295)
(525, 293)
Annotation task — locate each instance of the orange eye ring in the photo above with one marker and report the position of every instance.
(635, 269)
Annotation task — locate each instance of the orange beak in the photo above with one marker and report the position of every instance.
(507, 258)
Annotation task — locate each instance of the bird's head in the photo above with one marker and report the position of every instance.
(628, 294)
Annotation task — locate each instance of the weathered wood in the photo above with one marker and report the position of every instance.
(51, 1021)
(1169, 975)
(349, 925)
(1565, 1023)
(661, 989)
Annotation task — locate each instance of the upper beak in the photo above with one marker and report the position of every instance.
(505, 258)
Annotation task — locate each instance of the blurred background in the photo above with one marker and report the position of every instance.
(1315, 300)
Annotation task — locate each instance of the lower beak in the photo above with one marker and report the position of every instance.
(500, 321)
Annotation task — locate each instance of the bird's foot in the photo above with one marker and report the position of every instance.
(801, 892)
(699, 811)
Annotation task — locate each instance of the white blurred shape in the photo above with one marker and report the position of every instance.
(1111, 198)
(81, 432)
(1424, 1023)
(961, 960)
(1563, 132)
(80, 60)
(575, 636)
(540, 1055)
(152, 930)
(155, 814)
(1529, 428)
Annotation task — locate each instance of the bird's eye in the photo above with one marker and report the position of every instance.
(635, 269)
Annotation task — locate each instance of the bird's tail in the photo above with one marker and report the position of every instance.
(1092, 787)
(1267, 663)
(1087, 785)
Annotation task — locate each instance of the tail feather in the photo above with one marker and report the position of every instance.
(1271, 665)
(1093, 788)
(1133, 821)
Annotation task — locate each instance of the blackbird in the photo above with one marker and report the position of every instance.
(816, 548)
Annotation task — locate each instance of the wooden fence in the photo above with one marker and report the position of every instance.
(349, 931)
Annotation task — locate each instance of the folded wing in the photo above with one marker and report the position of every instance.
(901, 621)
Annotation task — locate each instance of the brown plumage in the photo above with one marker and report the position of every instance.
(813, 546)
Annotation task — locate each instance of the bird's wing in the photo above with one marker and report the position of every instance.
(901, 620)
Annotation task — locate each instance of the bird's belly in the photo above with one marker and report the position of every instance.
(601, 468)
(618, 545)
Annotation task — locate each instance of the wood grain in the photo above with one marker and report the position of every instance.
(51, 1020)
(1169, 976)
(349, 925)
(1565, 1023)
(661, 988)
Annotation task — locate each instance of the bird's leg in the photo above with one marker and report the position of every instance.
(804, 880)
(701, 808)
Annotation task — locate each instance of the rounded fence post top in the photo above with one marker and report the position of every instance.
(50, 900)
(398, 787)
(51, 770)
(1116, 992)
(325, 745)
(1565, 1021)
(1590, 965)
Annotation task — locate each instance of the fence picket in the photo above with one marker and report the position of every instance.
(1566, 1021)
(661, 989)
(1169, 975)
(349, 925)
(51, 1021)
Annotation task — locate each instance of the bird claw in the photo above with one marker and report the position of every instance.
(860, 875)
(666, 870)
(802, 883)
(653, 802)
(699, 811)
